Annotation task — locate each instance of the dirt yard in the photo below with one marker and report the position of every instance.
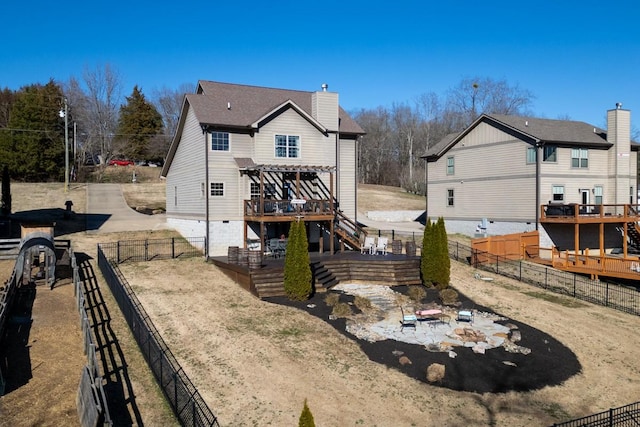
(255, 362)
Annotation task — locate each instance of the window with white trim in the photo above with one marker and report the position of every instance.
(450, 197)
(558, 193)
(549, 154)
(598, 192)
(217, 189)
(450, 165)
(287, 146)
(219, 141)
(579, 158)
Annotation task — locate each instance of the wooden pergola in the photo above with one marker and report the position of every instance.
(288, 193)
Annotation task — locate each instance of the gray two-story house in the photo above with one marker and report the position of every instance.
(248, 160)
(494, 176)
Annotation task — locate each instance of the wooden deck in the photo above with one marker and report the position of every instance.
(327, 271)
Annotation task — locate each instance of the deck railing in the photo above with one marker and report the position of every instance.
(575, 211)
(287, 207)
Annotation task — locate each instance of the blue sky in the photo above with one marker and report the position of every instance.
(577, 57)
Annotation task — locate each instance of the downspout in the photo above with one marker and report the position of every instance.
(538, 146)
(426, 191)
(357, 174)
(206, 192)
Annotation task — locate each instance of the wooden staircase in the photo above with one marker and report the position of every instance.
(269, 281)
(349, 232)
(633, 232)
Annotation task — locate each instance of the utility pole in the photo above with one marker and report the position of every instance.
(65, 113)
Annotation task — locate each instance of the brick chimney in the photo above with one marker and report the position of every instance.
(619, 134)
(324, 108)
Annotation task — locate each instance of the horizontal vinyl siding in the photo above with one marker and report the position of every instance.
(348, 177)
(187, 173)
(241, 145)
(316, 149)
(229, 206)
(489, 181)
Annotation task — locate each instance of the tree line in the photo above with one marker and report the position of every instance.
(398, 136)
(102, 124)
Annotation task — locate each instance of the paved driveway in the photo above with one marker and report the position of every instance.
(108, 212)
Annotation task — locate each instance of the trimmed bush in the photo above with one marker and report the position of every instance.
(297, 270)
(417, 293)
(306, 418)
(331, 299)
(449, 296)
(341, 309)
(362, 303)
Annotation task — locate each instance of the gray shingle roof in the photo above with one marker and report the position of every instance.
(233, 105)
(560, 132)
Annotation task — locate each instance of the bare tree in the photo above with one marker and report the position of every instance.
(169, 103)
(95, 107)
(475, 96)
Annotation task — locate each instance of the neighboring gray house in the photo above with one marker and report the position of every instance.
(494, 176)
(247, 160)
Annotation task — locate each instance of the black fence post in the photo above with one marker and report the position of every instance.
(173, 247)
(146, 249)
(118, 252)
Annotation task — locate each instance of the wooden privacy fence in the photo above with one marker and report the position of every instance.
(508, 246)
(91, 399)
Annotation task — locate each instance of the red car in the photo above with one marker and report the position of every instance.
(120, 162)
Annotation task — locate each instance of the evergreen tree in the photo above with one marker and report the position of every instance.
(138, 125)
(306, 417)
(297, 271)
(443, 270)
(34, 149)
(427, 254)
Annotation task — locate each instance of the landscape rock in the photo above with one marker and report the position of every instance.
(435, 372)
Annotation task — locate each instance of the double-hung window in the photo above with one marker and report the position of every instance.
(219, 141)
(549, 154)
(450, 197)
(597, 192)
(217, 189)
(558, 193)
(287, 146)
(450, 165)
(579, 158)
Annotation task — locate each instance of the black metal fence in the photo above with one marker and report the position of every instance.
(623, 416)
(150, 249)
(185, 400)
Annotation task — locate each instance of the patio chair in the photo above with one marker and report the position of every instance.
(381, 246)
(367, 246)
(408, 320)
(276, 247)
